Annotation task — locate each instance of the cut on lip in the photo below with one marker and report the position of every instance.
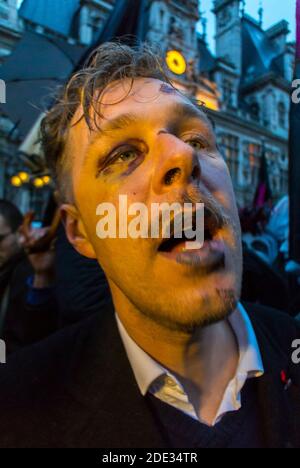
(212, 223)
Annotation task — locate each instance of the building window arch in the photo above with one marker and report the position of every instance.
(162, 16)
(227, 92)
(255, 111)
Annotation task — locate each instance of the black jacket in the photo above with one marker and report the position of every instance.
(77, 389)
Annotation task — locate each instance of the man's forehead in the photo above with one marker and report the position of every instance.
(139, 90)
(127, 96)
(128, 92)
(110, 100)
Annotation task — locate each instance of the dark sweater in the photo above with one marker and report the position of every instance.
(238, 429)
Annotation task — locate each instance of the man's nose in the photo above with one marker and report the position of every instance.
(177, 164)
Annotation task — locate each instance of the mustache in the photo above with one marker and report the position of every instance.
(194, 195)
(214, 213)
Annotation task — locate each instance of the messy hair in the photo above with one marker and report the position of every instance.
(110, 62)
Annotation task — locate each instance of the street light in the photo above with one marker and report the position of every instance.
(24, 176)
(46, 179)
(16, 181)
(38, 182)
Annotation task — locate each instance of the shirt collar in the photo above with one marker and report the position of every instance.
(146, 370)
(250, 361)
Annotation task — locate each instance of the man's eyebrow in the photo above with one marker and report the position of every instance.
(118, 123)
(121, 122)
(188, 110)
(180, 111)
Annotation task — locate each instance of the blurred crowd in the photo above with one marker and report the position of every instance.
(46, 285)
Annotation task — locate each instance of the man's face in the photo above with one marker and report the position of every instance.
(8, 242)
(155, 146)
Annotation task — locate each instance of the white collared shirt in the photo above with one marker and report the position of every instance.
(160, 382)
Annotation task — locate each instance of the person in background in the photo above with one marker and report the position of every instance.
(10, 220)
(11, 257)
(263, 282)
(28, 310)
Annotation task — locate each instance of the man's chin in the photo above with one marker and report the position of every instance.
(187, 316)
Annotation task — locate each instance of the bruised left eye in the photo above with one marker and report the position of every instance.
(122, 157)
(126, 156)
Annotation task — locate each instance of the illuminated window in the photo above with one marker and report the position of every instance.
(252, 155)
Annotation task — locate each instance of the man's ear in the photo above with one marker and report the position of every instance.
(75, 230)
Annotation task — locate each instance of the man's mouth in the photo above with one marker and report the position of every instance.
(212, 224)
(209, 256)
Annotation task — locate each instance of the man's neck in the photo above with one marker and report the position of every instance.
(204, 362)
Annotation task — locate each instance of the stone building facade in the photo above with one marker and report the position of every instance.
(10, 28)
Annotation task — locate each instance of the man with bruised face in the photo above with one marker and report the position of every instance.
(177, 361)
